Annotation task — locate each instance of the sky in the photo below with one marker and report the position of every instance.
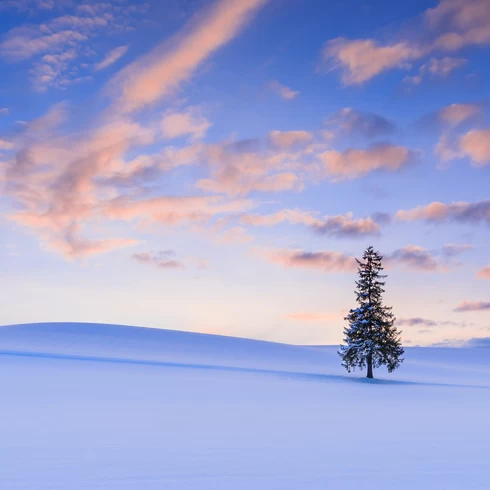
(217, 166)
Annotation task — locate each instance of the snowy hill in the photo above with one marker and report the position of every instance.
(104, 406)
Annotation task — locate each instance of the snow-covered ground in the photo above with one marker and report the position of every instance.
(87, 406)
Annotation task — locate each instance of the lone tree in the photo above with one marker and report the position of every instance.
(371, 338)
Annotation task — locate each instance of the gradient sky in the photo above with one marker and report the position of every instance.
(215, 166)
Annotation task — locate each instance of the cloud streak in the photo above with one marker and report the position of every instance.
(160, 259)
(161, 72)
(467, 306)
(111, 57)
(438, 212)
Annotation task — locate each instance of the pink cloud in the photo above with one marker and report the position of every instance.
(341, 225)
(442, 67)
(484, 273)
(363, 59)
(282, 90)
(472, 306)
(111, 57)
(438, 212)
(413, 257)
(412, 322)
(159, 259)
(162, 71)
(455, 114)
(476, 145)
(466, 23)
(323, 261)
(355, 163)
(173, 210)
(189, 122)
(349, 121)
(286, 140)
(238, 168)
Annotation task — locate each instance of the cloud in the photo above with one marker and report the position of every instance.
(159, 259)
(410, 257)
(4, 110)
(189, 122)
(413, 322)
(234, 235)
(355, 163)
(479, 342)
(476, 145)
(413, 257)
(173, 211)
(161, 72)
(367, 124)
(450, 26)
(484, 273)
(287, 140)
(337, 226)
(323, 261)
(363, 59)
(111, 57)
(282, 90)
(472, 306)
(316, 317)
(453, 250)
(30, 6)
(72, 246)
(436, 68)
(456, 114)
(6, 144)
(438, 212)
(442, 67)
(240, 167)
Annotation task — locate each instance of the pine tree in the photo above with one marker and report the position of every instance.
(371, 337)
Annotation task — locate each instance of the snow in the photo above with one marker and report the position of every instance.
(88, 406)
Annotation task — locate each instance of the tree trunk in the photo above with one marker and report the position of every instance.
(370, 366)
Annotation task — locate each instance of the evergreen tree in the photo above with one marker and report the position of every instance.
(371, 337)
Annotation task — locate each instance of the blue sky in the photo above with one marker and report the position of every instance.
(216, 166)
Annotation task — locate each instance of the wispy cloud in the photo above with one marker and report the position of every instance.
(438, 212)
(413, 257)
(337, 226)
(348, 121)
(355, 163)
(58, 44)
(466, 306)
(111, 57)
(189, 122)
(327, 261)
(282, 90)
(287, 140)
(416, 322)
(6, 144)
(436, 68)
(484, 273)
(161, 259)
(161, 72)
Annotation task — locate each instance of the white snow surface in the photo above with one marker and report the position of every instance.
(93, 406)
